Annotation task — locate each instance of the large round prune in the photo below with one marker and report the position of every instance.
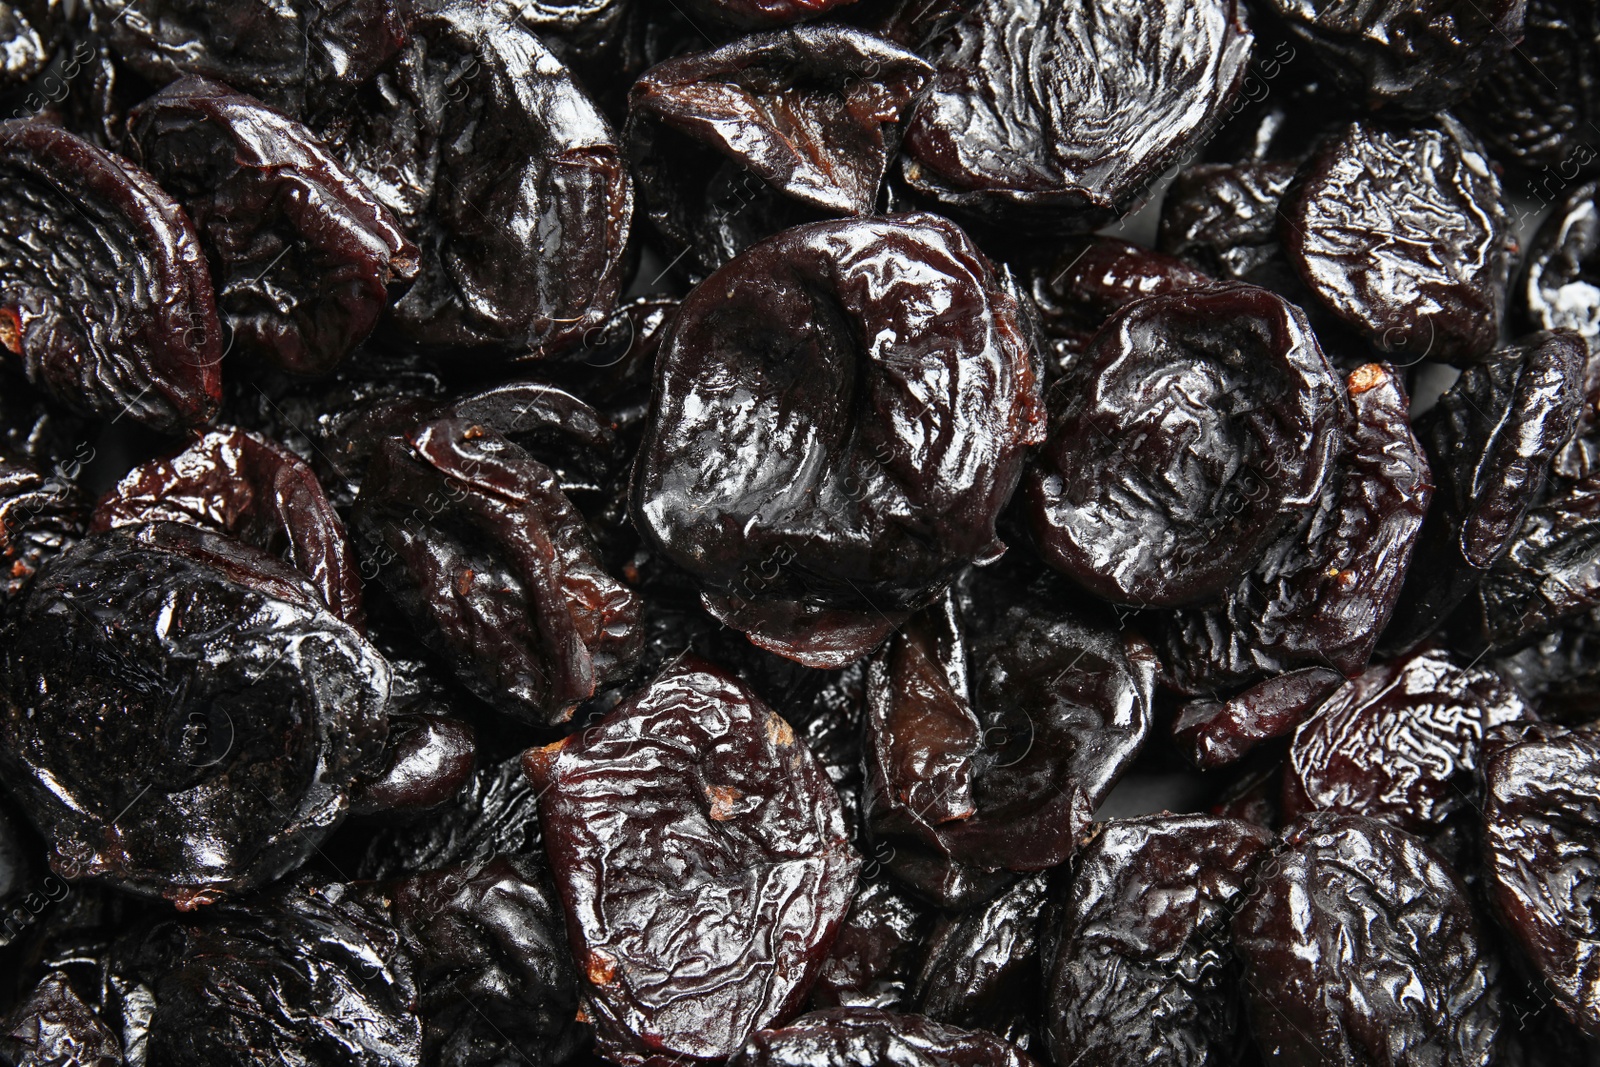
(104, 293)
(703, 862)
(858, 1037)
(1062, 112)
(183, 716)
(840, 413)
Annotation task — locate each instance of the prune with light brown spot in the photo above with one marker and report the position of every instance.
(147, 347)
(53, 1026)
(873, 963)
(1213, 733)
(40, 517)
(1359, 947)
(982, 969)
(854, 1037)
(703, 863)
(1223, 218)
(1143, 970)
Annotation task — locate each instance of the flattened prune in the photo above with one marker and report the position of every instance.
(703, 862)
(40, 517)
(1359, 947)
(858, 1037)
(840, 413)
(427, 760)
(982, 967)
(183, 716)
(74, 217)
(54, 1028)
(1143, 970)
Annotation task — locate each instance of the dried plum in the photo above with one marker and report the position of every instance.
(874, 959)
(982, 967)
(495, 813)
(1223, 218)
(54, 1027)
(427, 760)
(1213, 733)
(40, 517)
(1559, 288)
(859, 1037)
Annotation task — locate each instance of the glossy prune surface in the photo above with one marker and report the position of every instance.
(1557, 287)
(857, 1037)
(40, 517)
(982, 969)
(1535, 105)
(54, 1026)
(874, 960)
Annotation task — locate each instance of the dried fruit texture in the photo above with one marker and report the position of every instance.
(1223, 218)
(147, 347)
(1400, 743)
(735, 15)
(1401, 232)
(494, 814)
(996, 725)
(982, 966)
(305, 258)
(427, 760)
(305, 975)
(1214, 733)
(554, 426)
(840, 413)
(505, 175)
(40, 517)
(1143, 970)
(1417, 55)
(857, 1037)
(1061, 112)
(1557, 289)
(183, 716)
(30, 44)
(247, 487)
(874, 960)
(1541, 826)
(496, 569)
(1321, 595)
(53, 1026)
(1490, 441)
(1359, 947)
(1197, 430)
(702, 859)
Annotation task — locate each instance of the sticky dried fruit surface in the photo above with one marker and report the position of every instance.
(1559, 288)
(1534, 106)
(40, 517)
(846, 1037)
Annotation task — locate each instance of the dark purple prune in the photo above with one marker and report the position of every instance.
(304, 257)
(1417, 55)
(1401, 232)
(234, 709)
(54, 1028)
(996, 726)
(982, 967)
(1559, 288)
(1196, 431)
(496, 569)
(495, 813)
(29, 43)
(505, 175)
(873, 963)
(1400, 743)
(1223, 218)
(1559, 672)
(554, 426)
(1359, 947)
(1060, 113)
(40, 517)
(75, 216)
(1214, 733)
(427, 761)
(703, 862)
(1323, 596)
(1143, 970)
(735, 15)
(1541, 827)
(244, 486)
(866, 1037)
(840, 413)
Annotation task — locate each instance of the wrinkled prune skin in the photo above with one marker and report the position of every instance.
(30, 43)
(496, 569)
(554, 426)
(1223, 218)
(147, 347)
(506, 176)
(494, 814)
(1025, 125)
(1359, 947)
(232, 709)
(1415, 55)
(1557, 288)
(308, 974)
(1197, 430)
(1490, 440)
(982, 966)
(731, 16)
(54, 1028)
(245, 486)
(996, 724)
(495, 982)
(427, 761)
(1560, 672)
(40, 517)
(1213, 733)
(1323, 597)
(874, 959)
(857, 1037)
(703, 862)
(1401, 233)
(1400, 743)
(1143, 971)
(839, 415)
(305, 258)
(1541, 824)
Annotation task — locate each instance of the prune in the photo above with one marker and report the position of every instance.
(874, 960)
(232, 706)
(1143, 971)
(503, 172)
(244, 486)
(995, 728)
(840, 414)
(1419, 55)
(733, 15)
(1401, 233)
(1541, 825)
(1059, 113)
(703, 862)
(54, 1027)
(495, 813)
(1223, 218)
(496, 569)
(40, 517)
(1213, 733)
(30, 42)
(1196, 431)
(859, 1037)
(1320, 598)
(982, 966)
(147, 347)
(305, 258)
(1560, 671)
(1557, 289)
(427, 760)
(1400, 742)
(1359, 947)
(557, 428)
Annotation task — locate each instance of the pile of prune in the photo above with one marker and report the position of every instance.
(799, 533)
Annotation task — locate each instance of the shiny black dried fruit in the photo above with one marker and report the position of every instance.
(1223, 218)
(54, 1026)
(982, 968)
(1558, 287)
(40, 517)
(495, 813)
(1213, 732)
(873, 963)
(855, 1037)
